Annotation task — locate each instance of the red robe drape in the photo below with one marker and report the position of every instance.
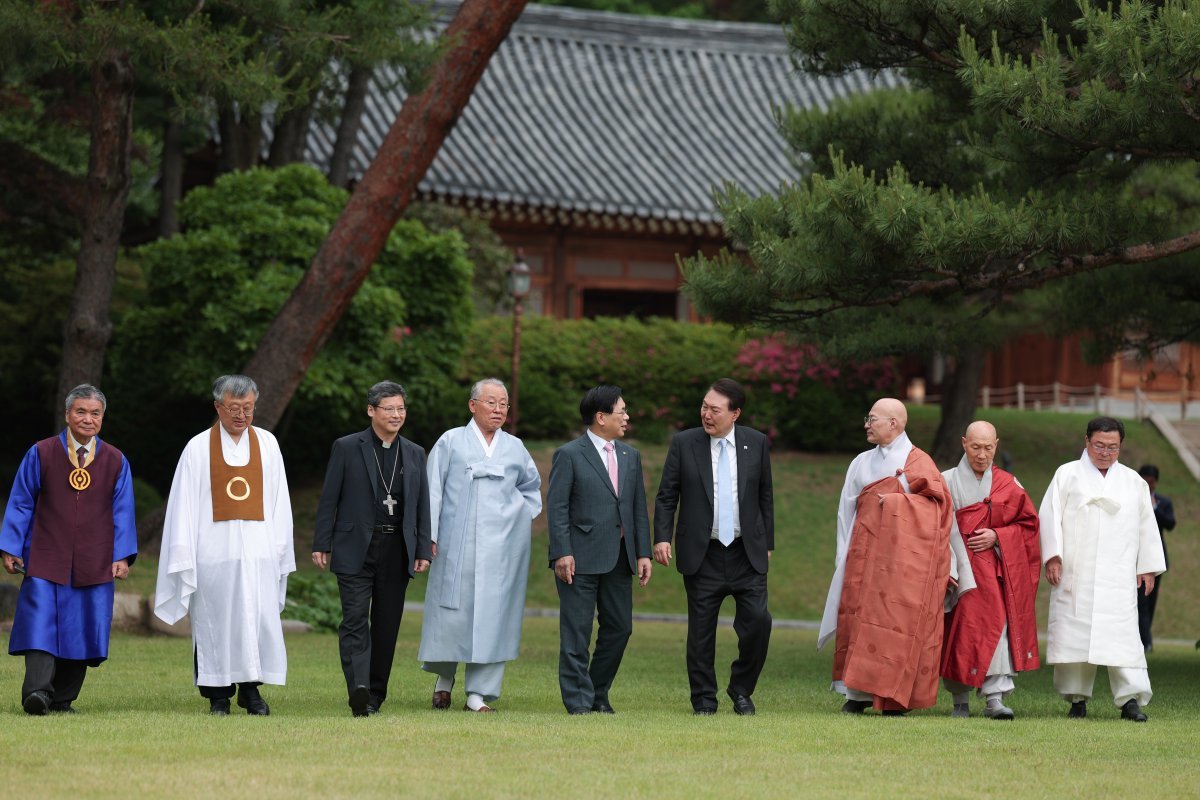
(1006, 586)
(890, 618)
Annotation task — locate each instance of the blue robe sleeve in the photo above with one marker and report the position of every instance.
(124, 517)
(18, 517)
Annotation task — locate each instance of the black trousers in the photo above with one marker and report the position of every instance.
(222, 692)
(725, 571)
(1146, 605)
(608, 597)
(60, 678)
(372, 605)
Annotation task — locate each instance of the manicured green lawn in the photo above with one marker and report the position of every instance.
(142, 731)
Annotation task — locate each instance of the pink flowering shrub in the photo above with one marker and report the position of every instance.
(803, 400)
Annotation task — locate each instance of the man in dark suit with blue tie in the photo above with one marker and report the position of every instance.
(599, 539)
(718, 476)
(374, 517)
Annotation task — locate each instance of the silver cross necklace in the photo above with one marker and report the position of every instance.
(390, 502)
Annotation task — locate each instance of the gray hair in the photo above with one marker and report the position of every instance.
(234, 386)
(85, 391)
(385, 389)
(477, 389)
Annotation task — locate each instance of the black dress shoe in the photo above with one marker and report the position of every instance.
(602, 707)
(36, 703)
(893, 712)
(1133, 712)
(704, 712)
(219, 707)
(360, 698)
(1078, 710)
(61, 708)
(253, 702)
(742, 705)
(855, 706)
(576, 712)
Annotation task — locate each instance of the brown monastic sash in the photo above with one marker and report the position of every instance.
(237, 492)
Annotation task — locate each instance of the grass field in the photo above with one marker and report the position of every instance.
(142, 731)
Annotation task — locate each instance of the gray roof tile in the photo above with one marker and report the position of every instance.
(614, 114)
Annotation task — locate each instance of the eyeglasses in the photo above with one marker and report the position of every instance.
(869, 420)
(1105, 448)
(493, 405)
(239, 411)
(624, 412)
(392, 411)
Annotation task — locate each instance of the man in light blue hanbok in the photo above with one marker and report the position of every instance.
(484, 492)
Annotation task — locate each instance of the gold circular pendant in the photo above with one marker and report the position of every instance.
(229, 488)
(79, 479)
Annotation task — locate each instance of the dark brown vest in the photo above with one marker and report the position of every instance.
(237, 492)
(72, 537)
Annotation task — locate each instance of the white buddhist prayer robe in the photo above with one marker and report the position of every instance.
(231, 576)
(482, 500)
(1103, 528)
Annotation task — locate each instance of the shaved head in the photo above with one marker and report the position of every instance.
(981, 428)
(979, 446)
(886, 421)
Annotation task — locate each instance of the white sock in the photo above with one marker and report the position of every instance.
(443, 684)
(961, 698)
(475, 701)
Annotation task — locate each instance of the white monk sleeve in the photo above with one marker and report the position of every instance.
(177, 556)
(1050, 518)
(1151, 558)
(281, 523)
(530, 486)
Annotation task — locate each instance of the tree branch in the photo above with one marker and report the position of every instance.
(26, 173)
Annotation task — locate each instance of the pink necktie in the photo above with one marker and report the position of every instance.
(612, 465)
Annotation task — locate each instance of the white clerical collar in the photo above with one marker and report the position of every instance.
(488, 448)
(899, 442)
(75, 445)
(1089, 465)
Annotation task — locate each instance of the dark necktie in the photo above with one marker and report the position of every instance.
(82, 454)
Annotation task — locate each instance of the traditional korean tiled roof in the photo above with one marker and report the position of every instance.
(589, 117)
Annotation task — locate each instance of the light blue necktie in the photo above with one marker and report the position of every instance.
(724, 496)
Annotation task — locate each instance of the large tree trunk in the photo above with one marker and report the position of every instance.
(345, 258)
(290, 136)
(170, 185)
(960, 393)
(241, 138)
(357, 85)
(88, 326)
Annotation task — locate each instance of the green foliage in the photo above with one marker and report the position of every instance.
(794, 394)
(313, 597)
(485, 250)
(1015, 155)
(214, 289)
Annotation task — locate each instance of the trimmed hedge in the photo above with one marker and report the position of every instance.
(664, 368)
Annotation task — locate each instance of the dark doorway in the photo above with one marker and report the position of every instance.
(624, 303)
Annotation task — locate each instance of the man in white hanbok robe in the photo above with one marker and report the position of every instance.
(484, 491)
(1100, 546)
(230, 575)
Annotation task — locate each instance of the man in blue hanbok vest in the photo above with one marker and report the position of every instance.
(70, 527)
(484, 492)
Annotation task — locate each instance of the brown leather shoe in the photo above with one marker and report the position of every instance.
(441, 700)
(484, 709)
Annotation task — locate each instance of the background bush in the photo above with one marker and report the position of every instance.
(664, 368)
(212, 290)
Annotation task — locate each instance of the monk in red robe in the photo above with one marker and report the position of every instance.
(991, 633)
(885, 604)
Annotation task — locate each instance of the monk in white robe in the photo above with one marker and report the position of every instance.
(227, 552)
(1100, 546)
(484, 492)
